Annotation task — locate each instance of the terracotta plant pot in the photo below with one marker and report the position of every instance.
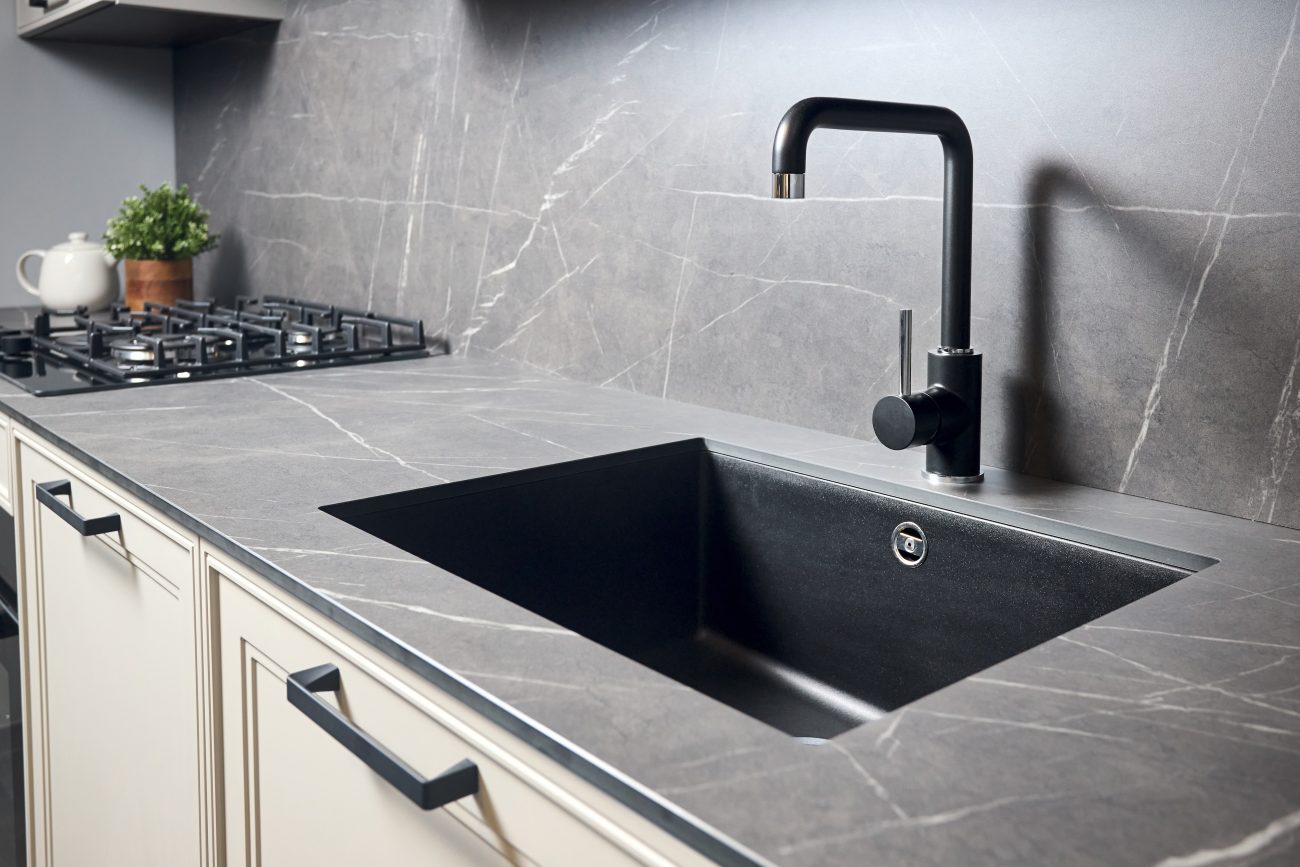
(162, 281)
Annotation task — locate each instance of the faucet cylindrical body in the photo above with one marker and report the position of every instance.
(945, 418)
(956, 385)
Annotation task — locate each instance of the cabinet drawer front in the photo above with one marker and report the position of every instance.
(110, 623)
(141, 540)
(517, 814)
(310, 801)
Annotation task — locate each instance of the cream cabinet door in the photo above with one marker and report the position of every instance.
(117, 768)
(295, 794)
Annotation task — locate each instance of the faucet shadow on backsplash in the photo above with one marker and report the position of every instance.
(1039, 435)
(1032, 442)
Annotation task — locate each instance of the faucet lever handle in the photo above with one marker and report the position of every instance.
(905, 351)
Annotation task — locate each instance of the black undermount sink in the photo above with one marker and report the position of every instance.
(766, 584)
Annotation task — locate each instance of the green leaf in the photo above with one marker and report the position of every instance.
(160, 224)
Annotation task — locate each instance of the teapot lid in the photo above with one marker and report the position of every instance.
(77, 242)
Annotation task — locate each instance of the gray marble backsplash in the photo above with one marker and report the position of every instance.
(581, 187)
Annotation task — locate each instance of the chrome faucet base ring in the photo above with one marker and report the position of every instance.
(941, 479)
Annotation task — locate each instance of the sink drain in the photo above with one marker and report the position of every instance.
(908, 542)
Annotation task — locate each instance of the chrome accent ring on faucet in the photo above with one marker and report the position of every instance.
(787, 185)
(941, 479)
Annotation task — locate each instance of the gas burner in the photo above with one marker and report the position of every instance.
(80, 351)
(132, 352)
(79, 341)
(307, 339)
(90, 340)
(195, 348)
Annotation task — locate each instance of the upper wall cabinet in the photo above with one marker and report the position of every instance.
(142, 22)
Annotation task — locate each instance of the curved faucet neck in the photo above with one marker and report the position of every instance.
(789, 157)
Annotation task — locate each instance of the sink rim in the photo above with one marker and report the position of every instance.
(944, 498)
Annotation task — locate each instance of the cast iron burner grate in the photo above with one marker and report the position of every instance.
(73, 351)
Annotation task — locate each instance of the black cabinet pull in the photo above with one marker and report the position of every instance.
(458, 781)
(48, 494)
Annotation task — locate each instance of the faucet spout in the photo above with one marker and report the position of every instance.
(789, 159)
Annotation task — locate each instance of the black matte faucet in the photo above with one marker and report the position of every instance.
(945, 417)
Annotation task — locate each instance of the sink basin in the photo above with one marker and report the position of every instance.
(777, 588)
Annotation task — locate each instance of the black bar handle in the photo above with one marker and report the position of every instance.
(459, 781)
(48, 493)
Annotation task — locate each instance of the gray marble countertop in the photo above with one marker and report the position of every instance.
(1167, 732)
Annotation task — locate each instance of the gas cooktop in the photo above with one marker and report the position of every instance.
(75, 351)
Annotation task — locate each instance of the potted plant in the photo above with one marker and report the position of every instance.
(159, 233)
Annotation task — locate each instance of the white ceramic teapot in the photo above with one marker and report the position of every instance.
(78, 273)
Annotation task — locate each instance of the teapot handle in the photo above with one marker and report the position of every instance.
(22, 278)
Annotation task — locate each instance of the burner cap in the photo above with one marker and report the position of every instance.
(132, 351)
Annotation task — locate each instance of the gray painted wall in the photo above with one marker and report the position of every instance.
(581, 187)
(83, 126)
